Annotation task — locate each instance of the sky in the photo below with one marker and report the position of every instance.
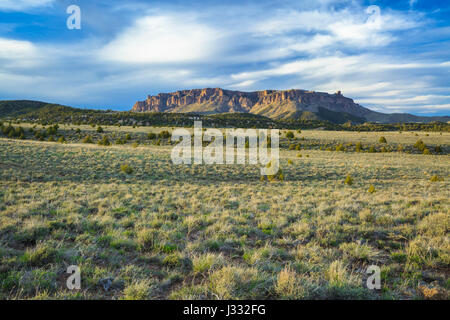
(389, 56)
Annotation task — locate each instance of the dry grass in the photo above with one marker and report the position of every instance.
(194, 232)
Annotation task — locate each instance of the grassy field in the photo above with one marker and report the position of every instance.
(164, 231)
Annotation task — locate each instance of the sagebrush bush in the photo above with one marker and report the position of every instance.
(87, 139)
(164, 134)
(382, 140)
(104, 141)
(436, 178)
(349, 180)
(420, 145)
(126, 168)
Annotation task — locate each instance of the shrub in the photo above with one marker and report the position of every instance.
(151, 136)
(426, 151)
(120, 141)
(164, 134)
(292, 147)
(438, 149)
(51, 139)
(52, 130)
(290, 161)
(383, 140)
(290, 135)
(358, 147)
(104, 141)
(126, 169)
(372, 149)
(127, 137)
(436, 178)
(100, 130)
(420, 145)
(348, 180)
(340, 147)
(62, 139)
(371, 189)
(87, 139)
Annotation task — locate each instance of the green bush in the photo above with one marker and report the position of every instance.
(420, 145)
(104, 141)
(87, 139)
(120, 141)
(348, 180)
(358, 147)
(164, 134)
(125, 168)
(436, 178)
(100, 130)
(383, 140)
(290, 135)
(151, 136)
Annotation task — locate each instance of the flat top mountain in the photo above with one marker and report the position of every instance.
(275, 104)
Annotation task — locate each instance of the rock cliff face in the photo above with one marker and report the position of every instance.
(270, 103)
(274, 104)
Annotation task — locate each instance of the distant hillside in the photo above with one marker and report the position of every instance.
(47, 113)
(275, 104)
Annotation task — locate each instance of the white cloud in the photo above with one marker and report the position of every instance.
(355, 28)
(323, 50)
(18, 5)
(162, 39)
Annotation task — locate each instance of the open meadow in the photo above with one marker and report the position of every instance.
(140, 227)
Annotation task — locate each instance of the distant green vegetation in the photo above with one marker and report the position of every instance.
(45, 114)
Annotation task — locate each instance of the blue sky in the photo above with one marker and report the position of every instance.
(390, 56)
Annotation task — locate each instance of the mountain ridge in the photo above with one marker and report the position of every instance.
(274, 104)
